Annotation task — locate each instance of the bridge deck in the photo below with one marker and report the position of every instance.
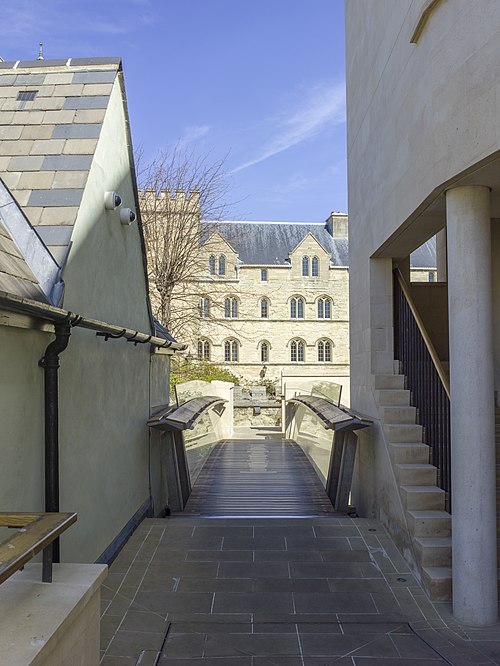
(271, 477)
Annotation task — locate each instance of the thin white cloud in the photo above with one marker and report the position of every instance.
(322, 108)
(193, 133)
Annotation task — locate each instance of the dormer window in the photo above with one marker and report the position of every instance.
(315, 267)
(211, 265)
(222, 265)
(305, 266)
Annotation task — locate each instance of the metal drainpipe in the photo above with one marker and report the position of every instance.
(50, 363)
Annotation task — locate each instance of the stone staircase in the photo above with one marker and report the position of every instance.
(429, 524)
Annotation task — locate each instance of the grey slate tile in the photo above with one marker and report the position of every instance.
(65, 163)
(29, 79)
(90, 102)
(94, 77)
(41, 63)
(26, 163)
(105, 60)
(77, 131)
(60, 197)
(7, 79)
(58, 235)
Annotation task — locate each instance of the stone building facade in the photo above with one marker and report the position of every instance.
(262, 299)
(275, 299)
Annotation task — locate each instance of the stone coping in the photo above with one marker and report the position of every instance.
(36, 615)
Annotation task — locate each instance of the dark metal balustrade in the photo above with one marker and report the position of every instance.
(425, 377)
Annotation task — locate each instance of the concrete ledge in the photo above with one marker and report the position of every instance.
(52, 623)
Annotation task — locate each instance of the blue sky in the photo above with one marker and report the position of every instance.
(262, 82)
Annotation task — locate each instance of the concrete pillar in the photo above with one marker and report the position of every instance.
(472, 405)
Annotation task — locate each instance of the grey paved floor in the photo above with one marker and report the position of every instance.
(283, 591)
(255, 592)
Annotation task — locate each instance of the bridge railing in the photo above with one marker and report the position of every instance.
(200, 417)
(327, 434)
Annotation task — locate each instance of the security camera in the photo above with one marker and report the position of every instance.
(127, 216)
(112, 200)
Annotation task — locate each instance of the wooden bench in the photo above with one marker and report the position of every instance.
(344, 423)
(36, 532)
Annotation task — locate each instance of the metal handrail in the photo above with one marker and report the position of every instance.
(423, 332)
(426, 379)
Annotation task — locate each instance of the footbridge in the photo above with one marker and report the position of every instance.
(259, 562)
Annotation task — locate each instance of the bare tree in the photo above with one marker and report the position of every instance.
(178, 191)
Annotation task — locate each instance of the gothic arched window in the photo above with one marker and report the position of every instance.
(230, 350)
(297, 351)
(297, 308)
(264, 308)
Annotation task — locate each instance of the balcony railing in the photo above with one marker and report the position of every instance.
(425, 377)
(35, 532)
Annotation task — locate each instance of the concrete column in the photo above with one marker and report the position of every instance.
(472, 405)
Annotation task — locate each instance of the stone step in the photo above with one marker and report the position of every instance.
(421, 498)
(433, 551)
(404, 452)
(399, 432)
(398, 414)
(389, 381)
(437, 582)
(429, 523)
(393, 397)
(415, 474)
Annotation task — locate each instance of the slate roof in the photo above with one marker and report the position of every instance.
(16, 276)
(270, 243)
(47, 143)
